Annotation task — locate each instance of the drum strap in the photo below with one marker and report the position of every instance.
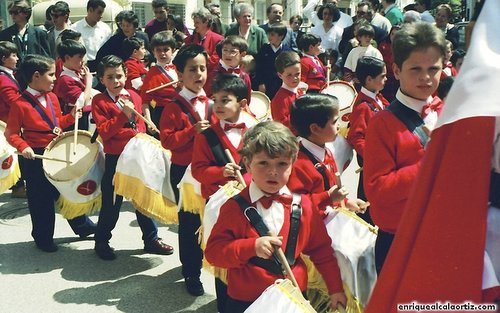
(53, 124)
(216, 147)
(256, 221)
(190, 116)
(318, 166)
(495, 190)
(411, 119)
(12, 78)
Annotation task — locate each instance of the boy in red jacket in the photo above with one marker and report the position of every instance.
(315, 117)
(371, 73)
(117, 124)
(34, 121)
(188, 114)
(396, 137)
(313, 71)
(268, 153)
(136, 71)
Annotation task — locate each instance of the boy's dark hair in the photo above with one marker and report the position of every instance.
(148, 58)
(60, 8)
(70, 48)
(48, 12)
(236, 41)
(130, 17)
(230, 84)
(312, 109)
(368, 66)
(94, 4)
(159, 4)
(366, 30)
(456, 55)
(6, 49)
(286, 59)
(416, 36)
(445, 86)
(69, 34)
(186, 53)
(332, 8)
(277, 28)
(308, 40)
(34, 63)
(163, 38)
(110, 61)
(131, 44)
(273, 138)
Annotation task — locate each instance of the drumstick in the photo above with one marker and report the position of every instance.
(241, 180)
(162, 86)
(284, 263)
(197, 116)
(38, 156)
(139, 115)
(359, 170)
(339, 185)
(328, 72)
(75, 137)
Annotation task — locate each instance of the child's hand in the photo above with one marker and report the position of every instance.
(230, 170)
(200, 126)
(338, 299)
(264, 246)
(357, 205)
(28, 153)
(76, 113)
(128, 107)
(336, 194)
(86, 73)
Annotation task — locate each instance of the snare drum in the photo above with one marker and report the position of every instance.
(78, 182)
(10, 172)
(143, 176)
(260, 106)
(346, 94)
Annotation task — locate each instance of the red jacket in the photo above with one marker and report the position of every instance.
(110, 120)
(390, 168)
(212, 75)
(9, 93)
(154, 78)
(135, 69)
(313, 75)
(232, 244)
(204, 166)
(280, 107)
(359, 118)
(68, 90)
(36, 132)
(177, 132)
(209, 43)
(306, 179)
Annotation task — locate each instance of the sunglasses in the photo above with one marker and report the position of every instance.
(15, 12)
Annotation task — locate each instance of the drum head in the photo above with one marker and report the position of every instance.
(259, 105)
(62, 148)
(343, 91)
(3, 141)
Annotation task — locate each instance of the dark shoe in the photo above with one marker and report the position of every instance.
(194, 286)
(104, 251)
(158, 247)
(18, 192)
(87, 230)
(48, 247)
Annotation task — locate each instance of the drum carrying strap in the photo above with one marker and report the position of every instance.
(216, 146)
(53, 124)
(190, 116)
(12, 78)
(256, 221)
(318, 166)
(411, 119)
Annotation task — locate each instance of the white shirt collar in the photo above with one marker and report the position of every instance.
(33, 92)
(284, 86)
(317, 151)
(188, 94)
(414, 104)
(369, 93)
(122, 92)
(256, 193)
(276, 49)
(310, 56)
(8, 70)
(69, 72)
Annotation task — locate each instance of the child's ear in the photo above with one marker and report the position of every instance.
(36, 74)
(314, 128)
(247, 162)
(243, 103)
(280, 75)
(396, 70)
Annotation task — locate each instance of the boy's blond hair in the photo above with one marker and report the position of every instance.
(271, 137)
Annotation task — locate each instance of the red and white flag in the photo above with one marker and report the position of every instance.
(438, 252)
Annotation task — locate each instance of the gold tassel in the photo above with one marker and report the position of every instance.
(70, 210)
(148, 201)
(11, 179)
(191, 202)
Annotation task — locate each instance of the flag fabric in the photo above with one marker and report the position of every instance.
(438, 251)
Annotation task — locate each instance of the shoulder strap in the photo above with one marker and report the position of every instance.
(216, 146)
(53, 125)
(295, 215)
(318, 166)
(411, 119)
(185, 110)
(2, 72)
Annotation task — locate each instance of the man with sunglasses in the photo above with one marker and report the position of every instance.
(27, 38)
(60, 18)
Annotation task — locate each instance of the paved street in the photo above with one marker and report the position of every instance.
(74, 280)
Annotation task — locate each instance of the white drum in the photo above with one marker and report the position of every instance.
(10, 172)
(260, 106)
(346, 94)
(143, 176)
(78, 182)
(354, 243)
(342, 152)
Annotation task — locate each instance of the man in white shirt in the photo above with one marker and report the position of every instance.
(94, 32)
(422, 7)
